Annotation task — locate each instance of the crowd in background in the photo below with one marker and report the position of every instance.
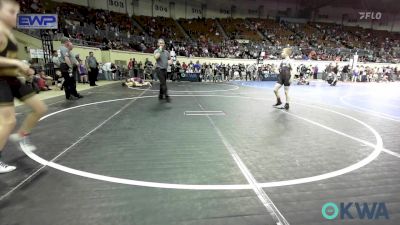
(208, 72)
(316, 41)
(213, 72)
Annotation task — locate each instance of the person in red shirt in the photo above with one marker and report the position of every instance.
(130, 67)
(184, 66)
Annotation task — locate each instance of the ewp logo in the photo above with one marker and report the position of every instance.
(37, 21)
(376, 210)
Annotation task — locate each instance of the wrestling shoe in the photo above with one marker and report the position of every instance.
(23, 142)
(278, 102)
(287, 106)
(4, 168)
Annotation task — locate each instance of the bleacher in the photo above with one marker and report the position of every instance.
(106, 29)
(239, 29)
(201, 29)
(160, 27)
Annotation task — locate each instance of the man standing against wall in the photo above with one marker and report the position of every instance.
(56, 61)
(130, 68)
(135, 68)
(163, 59)
(92, 66)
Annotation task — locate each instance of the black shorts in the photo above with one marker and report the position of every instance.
(284, 79)
(11, 88)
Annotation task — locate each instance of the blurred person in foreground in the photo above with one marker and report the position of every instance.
(13, 85)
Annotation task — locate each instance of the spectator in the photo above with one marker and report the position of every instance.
(66, 65)
(56, 61)
(83, 74)
(92, 67)
(107, 70)
(48, 79)
(130, 67)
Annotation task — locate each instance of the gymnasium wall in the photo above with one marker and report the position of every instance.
(396, 24)
(351, 17)
(25, 42)
(116, 55)
(83, 51)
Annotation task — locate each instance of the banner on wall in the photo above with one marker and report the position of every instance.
(161, 9)
(37, 21)
(196, 11)
(111, 5)
(253, 12)
(117, 5)
(36, 53)
(224, 11)
(243, 41)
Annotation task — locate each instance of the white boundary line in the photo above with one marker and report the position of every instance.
(380, 114)
(359, 109)
(380, 103)
(172, 91)
(378, 148)
(47, 163)
(264, 198)
(391, 152)
(351, 108)
(204, 113)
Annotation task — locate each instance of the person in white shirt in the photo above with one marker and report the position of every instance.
(355, 74)
(107, 70)
(56, 61)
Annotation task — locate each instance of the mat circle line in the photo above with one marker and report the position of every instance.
(378, 148)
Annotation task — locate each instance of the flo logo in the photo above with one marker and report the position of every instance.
(370, 15)
(370, 211)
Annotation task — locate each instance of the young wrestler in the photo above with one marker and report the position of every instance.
(284, 77)
(12, 86)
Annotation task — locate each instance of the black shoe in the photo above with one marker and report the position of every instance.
(278, 102)
(168, 99)
(160, 97)
(287, 106)
(70, 98)
(79, 96)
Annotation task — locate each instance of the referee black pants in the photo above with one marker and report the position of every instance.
(93, 76)
(69, 82)
(162, 76)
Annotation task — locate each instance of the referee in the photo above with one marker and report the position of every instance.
(66, 66)
(163, 59)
